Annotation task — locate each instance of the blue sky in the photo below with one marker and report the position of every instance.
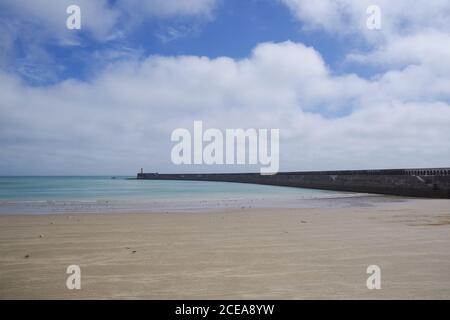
(104, 99)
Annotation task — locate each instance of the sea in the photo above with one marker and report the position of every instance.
(102, 194)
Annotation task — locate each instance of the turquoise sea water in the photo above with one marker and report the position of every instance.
(98, 194)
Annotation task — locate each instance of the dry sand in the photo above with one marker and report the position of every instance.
(235, 254)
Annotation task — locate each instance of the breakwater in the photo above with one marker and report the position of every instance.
(426, 182)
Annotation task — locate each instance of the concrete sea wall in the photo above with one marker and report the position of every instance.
(428, 183)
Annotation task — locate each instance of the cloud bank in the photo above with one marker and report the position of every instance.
(345, 17)
(122, 119)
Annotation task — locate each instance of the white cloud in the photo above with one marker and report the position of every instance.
(431, 48)
(48, 18)
(410, 53)
(348, 16)
(122, 119)
(101, 19)
(28, 27)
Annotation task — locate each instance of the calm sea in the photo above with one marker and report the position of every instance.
(125, 194)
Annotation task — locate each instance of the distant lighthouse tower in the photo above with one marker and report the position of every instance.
(141, 174)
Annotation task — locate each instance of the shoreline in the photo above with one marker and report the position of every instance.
(44, 207)
(315, 253)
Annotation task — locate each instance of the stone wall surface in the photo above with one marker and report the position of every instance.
(429, 183)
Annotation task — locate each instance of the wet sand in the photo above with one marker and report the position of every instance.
(318, 253)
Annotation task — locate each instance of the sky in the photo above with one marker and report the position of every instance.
(104, 100)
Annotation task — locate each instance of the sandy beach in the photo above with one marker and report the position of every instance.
(319, 253)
